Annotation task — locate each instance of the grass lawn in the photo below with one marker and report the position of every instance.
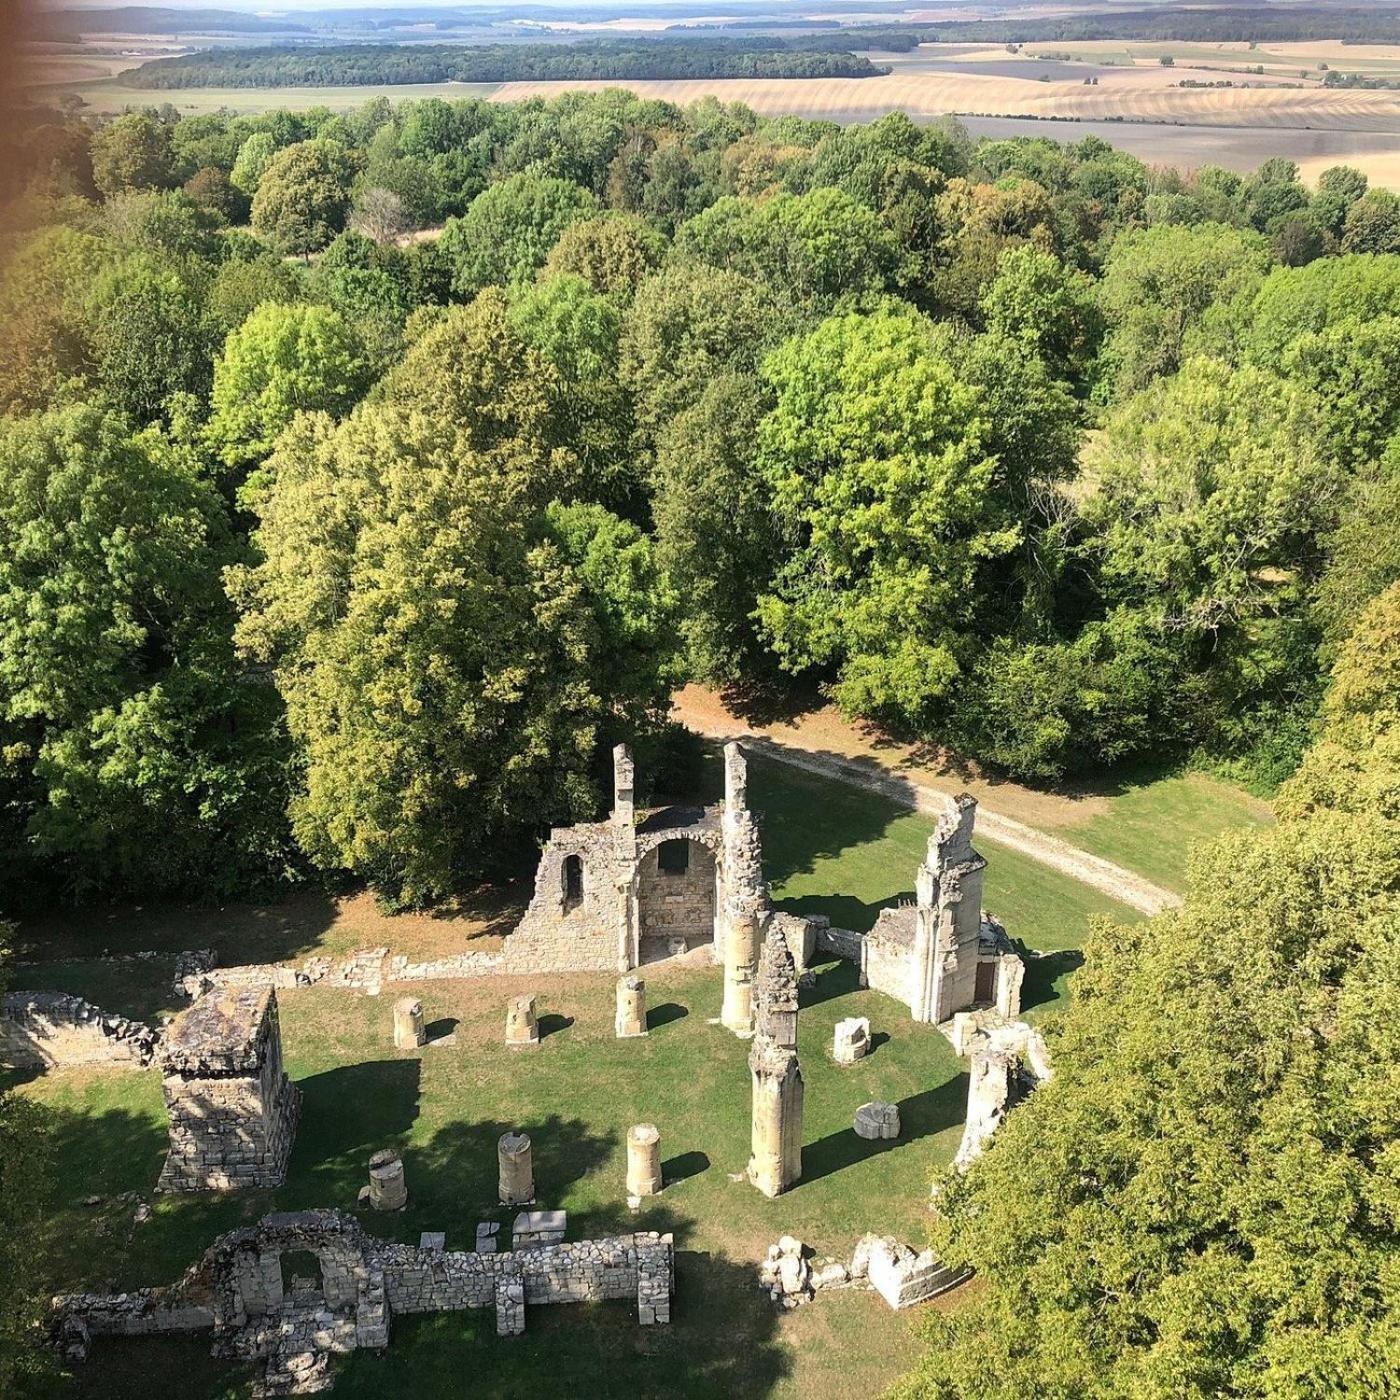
(828, 847)
(1153, 826)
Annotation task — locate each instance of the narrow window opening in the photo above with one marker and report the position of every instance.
(573, 882)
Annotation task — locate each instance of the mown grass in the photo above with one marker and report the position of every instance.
(828, 848)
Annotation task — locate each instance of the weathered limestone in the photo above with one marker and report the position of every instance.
(409, 1032)
(631, 1008)
(876, 1121)
(851, 1040)
(899, 1275)
(233, 1111)
(53, 1030)
(1008, 1060)
(643, 1160)
(786, 1274)
(942, 954)
(611, 895)
(237, 1291)
(387, 1188)
(746, 896)
(538, 1229)
(516, 1170)
(522, 1025)
(776, 1127)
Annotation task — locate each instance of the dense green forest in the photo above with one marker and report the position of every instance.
(324, 547)
(611, 59)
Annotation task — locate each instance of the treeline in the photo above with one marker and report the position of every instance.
(612, 60)
(319, 550)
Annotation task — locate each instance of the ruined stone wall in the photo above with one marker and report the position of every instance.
(52, 1030)
(553, 937)
(586, 1271)
(677, 905)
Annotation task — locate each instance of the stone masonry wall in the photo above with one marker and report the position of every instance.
(677, 906)
(52, 1030)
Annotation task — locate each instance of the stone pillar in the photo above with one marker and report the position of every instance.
(624, 786)
(775, 1135)
(408, 1023)
(631, 1008)
(643, 1160)
(949, 919)
(522, 1028)
(739, 914)
(851, 1040)
(1011, 972)
(775, 1140)
(740, 954)
(517, 1172)
(387, 1189)
(624, 822)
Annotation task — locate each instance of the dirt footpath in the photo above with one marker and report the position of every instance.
(825, 744)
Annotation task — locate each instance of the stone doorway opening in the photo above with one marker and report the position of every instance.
(303, 1282)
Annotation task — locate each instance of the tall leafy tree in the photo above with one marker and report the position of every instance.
(452, 648)
(303, 197)
(132, 152)
(141, 759)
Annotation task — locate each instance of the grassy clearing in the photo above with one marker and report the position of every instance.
(828, 847)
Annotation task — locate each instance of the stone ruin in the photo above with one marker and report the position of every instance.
(45, 1030)
(942, 954)
(776, 1127)
(233, 1111)
(241, 1292)
(1008, 1060)
(614, 894)
(881, 1263)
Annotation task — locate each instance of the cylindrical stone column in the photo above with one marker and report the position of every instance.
(631, 1007)
(408, 1023)
(643, 1160)
(387, 1189)
(522, 1026)
(517, 1172)
(740, 958)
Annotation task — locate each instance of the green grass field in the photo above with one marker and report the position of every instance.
(828, 847)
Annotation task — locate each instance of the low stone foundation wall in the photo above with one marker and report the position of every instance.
(143, 1312)
(53, 1030)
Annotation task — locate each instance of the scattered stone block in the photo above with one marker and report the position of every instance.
(643, 1160)
(785, 1273)
(409, 1033)
(486, 1233)
(898, 1274)
(631, 1008)
(433, 1240)
(875, 1121)
(522, 1026)
(537, 1229)
(852, 1040)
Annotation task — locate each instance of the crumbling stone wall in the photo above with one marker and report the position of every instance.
(53, 1030)
(233, 1111)
(1008, 1059)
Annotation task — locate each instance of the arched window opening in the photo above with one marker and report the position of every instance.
(573, 882)
(673, 857)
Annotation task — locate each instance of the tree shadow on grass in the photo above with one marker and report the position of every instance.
(920, 1115)
(1038, 986)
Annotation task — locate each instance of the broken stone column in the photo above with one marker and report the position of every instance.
(775, 1162)
(745, 900)
(948, 920)
(874, 1121)
(522, 1028)
(643, 1160)
(631, 1007)
(851, 1041)
(408, 1023)
(517, 1172)
(387, 1188)
(1011, 972)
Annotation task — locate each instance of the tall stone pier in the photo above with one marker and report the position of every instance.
(949, 917)
(775, 1162)
(745, 895)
